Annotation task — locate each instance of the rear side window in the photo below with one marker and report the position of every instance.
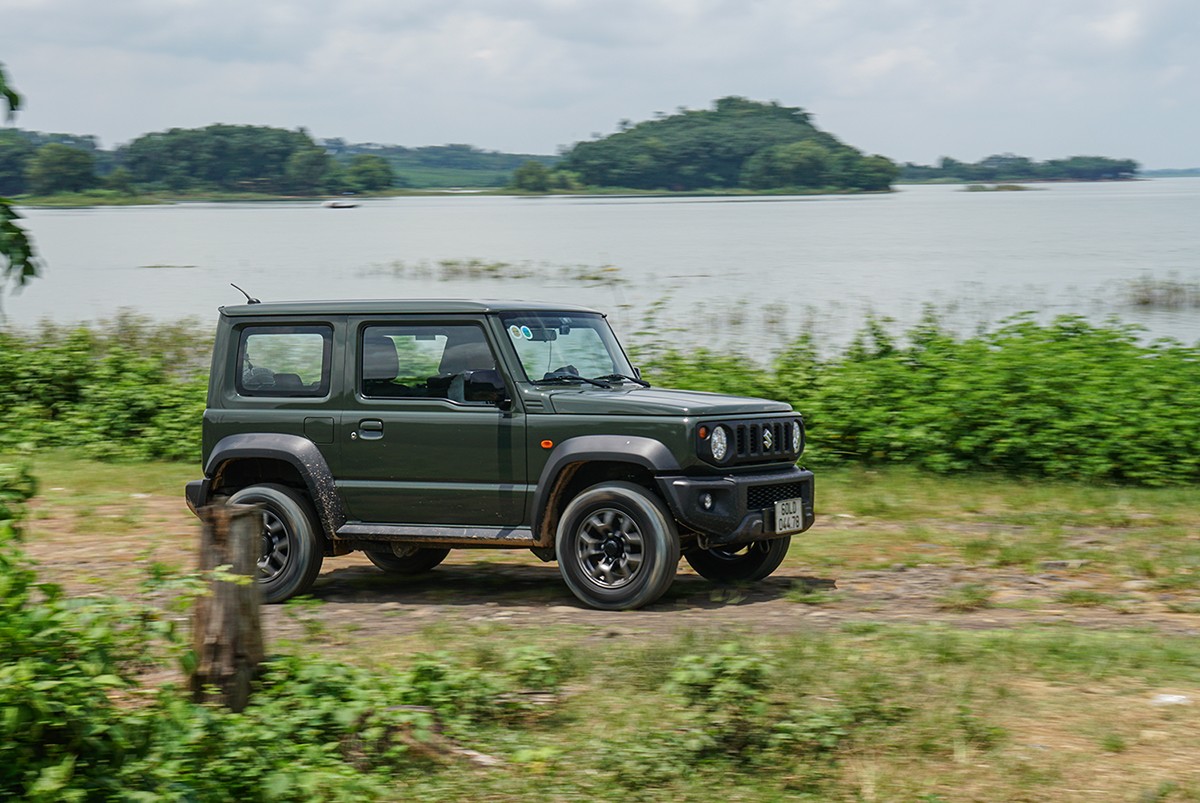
(425, 361)
(287, 361)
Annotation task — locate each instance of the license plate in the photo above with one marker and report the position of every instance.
(789, 516)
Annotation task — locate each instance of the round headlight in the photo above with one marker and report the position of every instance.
(718, 442)
(797, 439)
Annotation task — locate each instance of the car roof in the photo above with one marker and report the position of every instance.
(397, 306)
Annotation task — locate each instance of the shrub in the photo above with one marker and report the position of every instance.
(1066, 399)
(125, 388)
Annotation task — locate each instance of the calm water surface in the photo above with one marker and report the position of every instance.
(742, 272)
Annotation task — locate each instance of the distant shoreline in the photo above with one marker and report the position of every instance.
(100, 198)
(85, 200)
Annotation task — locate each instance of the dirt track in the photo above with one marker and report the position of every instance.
(517, 589)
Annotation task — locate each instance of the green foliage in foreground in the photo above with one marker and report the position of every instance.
(1067, 399)
(123, 389)
(75, 725)
(17, 261)
(567, 715)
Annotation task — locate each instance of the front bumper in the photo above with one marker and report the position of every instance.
(743, 505)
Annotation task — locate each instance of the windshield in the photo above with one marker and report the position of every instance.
(553, 346)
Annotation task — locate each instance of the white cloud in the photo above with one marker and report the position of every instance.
(1121, 27)
(913, 79)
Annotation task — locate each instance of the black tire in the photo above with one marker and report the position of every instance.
(739, 564)
(617, 546)
(418, 560)
(291, 545)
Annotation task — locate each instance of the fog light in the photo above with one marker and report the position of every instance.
(706, 501)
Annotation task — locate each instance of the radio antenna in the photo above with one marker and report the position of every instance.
(249, 299)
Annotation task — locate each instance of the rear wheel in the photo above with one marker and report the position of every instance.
(413, 560)
(617, 546)
(737, 564)
(291, 548)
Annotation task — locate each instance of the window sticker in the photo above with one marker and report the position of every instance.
(526, 333)
(514, 332)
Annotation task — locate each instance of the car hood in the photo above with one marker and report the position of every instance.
(635, 400)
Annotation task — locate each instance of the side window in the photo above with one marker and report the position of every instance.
(451, 362)
(284, 361)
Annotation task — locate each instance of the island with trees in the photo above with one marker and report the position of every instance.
(739, 144)
(736, 146)
(236, 160)
(1009, 167)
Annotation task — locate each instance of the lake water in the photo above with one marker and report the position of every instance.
(741, 272)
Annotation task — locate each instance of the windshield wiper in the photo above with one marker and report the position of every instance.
(571, 378)
(621, 377)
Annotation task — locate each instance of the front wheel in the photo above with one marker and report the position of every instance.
(291, 548)
(617, 546)
(739, 564)
(414, 560)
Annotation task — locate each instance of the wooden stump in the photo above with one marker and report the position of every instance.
(226, 628)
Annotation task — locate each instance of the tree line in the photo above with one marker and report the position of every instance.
(738, 144)
(219, 157)
(1010, 167)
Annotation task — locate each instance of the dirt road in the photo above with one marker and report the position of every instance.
(515, 588)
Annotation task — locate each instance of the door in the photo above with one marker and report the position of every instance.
(422, 441)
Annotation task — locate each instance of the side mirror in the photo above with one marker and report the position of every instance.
(637, 372)
(487, 387)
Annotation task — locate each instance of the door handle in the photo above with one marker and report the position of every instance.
(369, 430)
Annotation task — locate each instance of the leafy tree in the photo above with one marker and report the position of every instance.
(531, 177)
(796, 164)
(875, 173)
(15, 153)
(739, 142)
(306, 170)
(60, 168)
(222, 157)
(370, 173)
(120, 180)
(17, 260)
(565, 180)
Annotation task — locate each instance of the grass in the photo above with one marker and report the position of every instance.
(923, 711)
(877, 518)
(868, 710)
(1087, 598)
(966, 597)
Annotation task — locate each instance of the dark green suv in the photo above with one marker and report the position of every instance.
(406, 429)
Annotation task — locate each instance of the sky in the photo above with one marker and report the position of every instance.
(914, 80)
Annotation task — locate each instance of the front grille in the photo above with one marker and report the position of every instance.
(760, 496)
(749, 437)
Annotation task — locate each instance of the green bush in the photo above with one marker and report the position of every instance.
(124, 389)
(61, 662)
(726, 691)
(75, 725)
(1066, 399)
